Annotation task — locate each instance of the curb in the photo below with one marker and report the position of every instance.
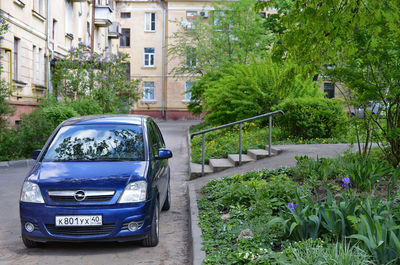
(17, 163)
(198, 255)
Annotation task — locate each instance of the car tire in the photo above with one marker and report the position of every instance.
(29, 243)
(167, 202)
(152, 238)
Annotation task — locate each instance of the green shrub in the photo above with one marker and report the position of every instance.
(311, 117)
(242, 91)
(58, 113)
(86, 106)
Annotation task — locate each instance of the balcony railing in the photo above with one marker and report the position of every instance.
(102, 16)
(114, 30)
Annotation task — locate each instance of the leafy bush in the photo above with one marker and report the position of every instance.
(311, 117)
(86, 106)
(242, 91)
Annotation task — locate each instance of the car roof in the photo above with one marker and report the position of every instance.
(107, 119)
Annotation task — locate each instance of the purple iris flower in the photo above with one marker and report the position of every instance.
(292, 206)
(346, 181)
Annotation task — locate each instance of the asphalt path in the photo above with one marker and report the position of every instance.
(174, 246)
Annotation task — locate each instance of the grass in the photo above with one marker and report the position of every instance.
(220, 143)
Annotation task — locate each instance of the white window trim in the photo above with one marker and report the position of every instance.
(154, 59)
(185, 100)
(146, 93)
(145, 22)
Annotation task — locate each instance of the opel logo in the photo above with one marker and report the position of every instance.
(80, 195)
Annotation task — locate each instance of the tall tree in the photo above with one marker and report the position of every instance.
(360, 40)
(233, 33)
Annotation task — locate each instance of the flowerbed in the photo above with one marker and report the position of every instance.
(317, 212)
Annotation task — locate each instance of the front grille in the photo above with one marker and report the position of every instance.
(80, 230)
(70, 196)
(104, 198)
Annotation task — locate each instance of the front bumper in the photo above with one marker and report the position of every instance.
(115, 220)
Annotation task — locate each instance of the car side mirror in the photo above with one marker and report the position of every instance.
(35, 154)
(164, 154)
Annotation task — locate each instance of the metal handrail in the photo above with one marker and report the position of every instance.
(270, 114)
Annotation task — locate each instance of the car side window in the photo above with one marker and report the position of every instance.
(157, 131)
(153, 140)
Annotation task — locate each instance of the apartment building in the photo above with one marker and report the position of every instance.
(146, 26)
(41, 31)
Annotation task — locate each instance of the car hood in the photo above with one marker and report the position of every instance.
(87, 175)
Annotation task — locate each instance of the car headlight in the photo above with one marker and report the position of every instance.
(134, 192)
(31, 193)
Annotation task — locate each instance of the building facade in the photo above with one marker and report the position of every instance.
(43, 30)
(146, 27)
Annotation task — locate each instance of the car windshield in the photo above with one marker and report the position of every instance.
(104, 142)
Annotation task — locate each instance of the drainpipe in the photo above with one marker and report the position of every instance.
(49, 88)
(163, 58)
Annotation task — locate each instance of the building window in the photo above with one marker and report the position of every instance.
(150, 23)
(125, 39)
(34, 64)
(329, 89)
(125, 14)
(128, 70)
(188, 93)
(16, 59)
(38, 6)
(148, 91)
(190, 57)
(54, 33)
(68, 16)
(191, 17)
(149, 57)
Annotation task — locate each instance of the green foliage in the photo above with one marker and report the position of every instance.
(102, 77)
(378, 233)
(243, 91)
(233, 34)
(311, 117)
(86, 106)
(360, 39)
(58, 113)
(364, 173)
(321, 252)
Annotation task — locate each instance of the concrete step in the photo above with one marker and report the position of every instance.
(274, 150)
(220, 164)
(257, 153)
(234, 159)
(195, 170)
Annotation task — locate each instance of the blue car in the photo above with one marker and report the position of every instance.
(97, 178)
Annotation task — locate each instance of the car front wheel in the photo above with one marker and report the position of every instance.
(153, 236)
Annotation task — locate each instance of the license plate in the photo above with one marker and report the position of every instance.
(79, 220)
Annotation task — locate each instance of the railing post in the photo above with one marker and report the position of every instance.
(240, 144)
(202, 155)
(270, 135)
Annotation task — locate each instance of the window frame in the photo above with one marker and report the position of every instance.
(149, 55)
(188, 95)
(125, 15)
(146, 91)
(126, 38)
(150, 22)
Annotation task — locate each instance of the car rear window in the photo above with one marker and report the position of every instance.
(105, 142)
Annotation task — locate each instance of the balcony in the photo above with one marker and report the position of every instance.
(114, 30)
(102, 16)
